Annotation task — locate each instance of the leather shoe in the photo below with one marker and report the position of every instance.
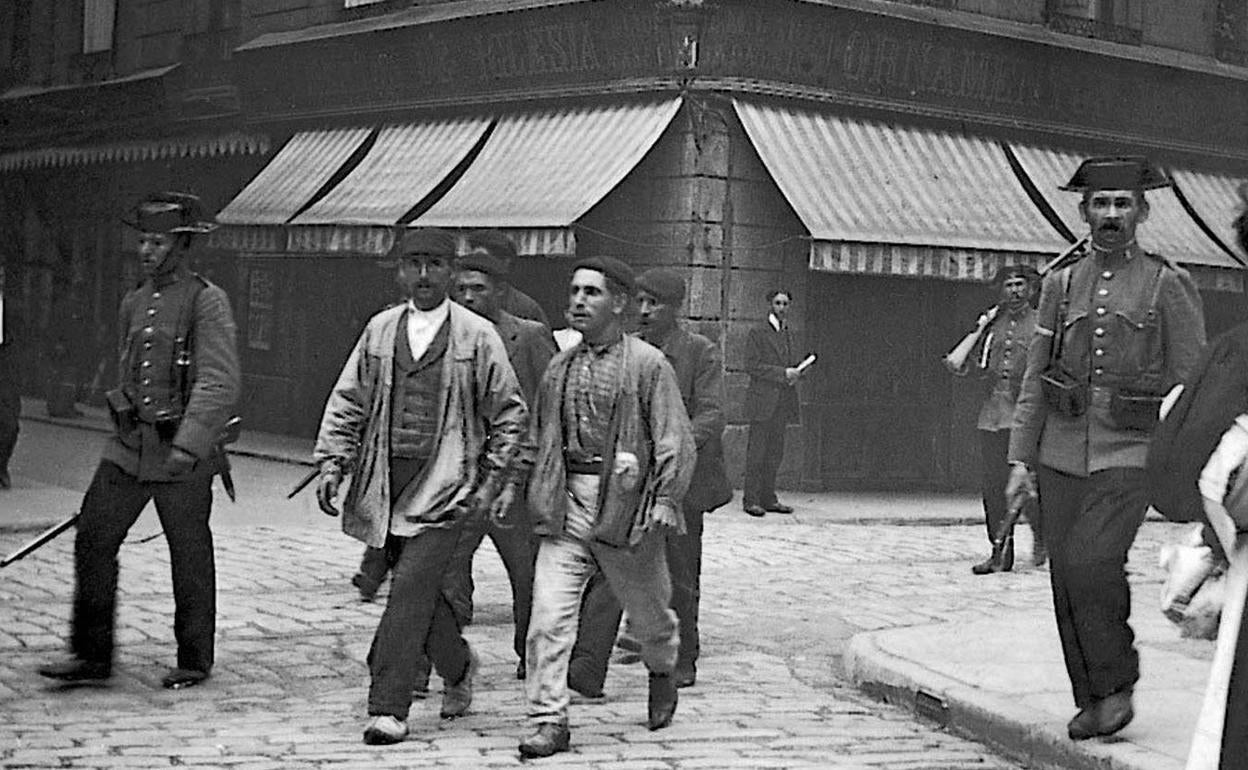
(367, 586)
(685, 678)
(521, 671)
(77, 670)
(181, 678)
(756, 510)
(779, 508)
(550, 739)
(662, 701)
(384, 730)
(1105, 717)
(456, 698)
(1001, 560)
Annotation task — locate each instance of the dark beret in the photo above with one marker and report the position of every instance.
(495, 242)
(664, 283)
(615, 269)
(483, 261)
(426, 240)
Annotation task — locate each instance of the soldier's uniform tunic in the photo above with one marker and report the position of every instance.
(182, 395)
(1133, 321)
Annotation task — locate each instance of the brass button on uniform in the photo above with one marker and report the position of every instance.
(145, 364)
(155, 295)
(148, 330)
(147, 399)
(1100, 311)
(151, 311)
(1107, 274)
(1100, 351)
(1102, 292)
(1100, 332)
(1099, 370)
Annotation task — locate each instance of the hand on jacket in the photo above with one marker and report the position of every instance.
(179, 462)
(327, 487)
(501, 504)
(664, 514)
(1021, 486)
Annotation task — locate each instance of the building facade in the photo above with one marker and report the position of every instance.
(878, 159)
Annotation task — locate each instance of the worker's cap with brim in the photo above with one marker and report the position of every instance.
(1133, 172)
(169, 213)
(664, 283)
(617, 270)
(1007, 272)
(483, 262)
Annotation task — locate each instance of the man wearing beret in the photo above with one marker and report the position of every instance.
(1116, 329)
(999, 357)
(179, 381)
(478, 285)
(427, 419)
(497, 244)
(699, 371)
(615, 455)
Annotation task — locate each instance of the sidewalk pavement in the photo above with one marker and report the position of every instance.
(977, 655)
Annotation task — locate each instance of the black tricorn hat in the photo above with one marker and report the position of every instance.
(169, 212)
(1123, 172)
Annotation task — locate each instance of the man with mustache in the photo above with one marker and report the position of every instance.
(178, 381)
(1116, 329)
(614, 456)
(428, 419)
(1000, 357)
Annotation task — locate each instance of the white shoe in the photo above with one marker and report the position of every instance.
(384, 729)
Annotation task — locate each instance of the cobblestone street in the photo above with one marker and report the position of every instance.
(781, 598)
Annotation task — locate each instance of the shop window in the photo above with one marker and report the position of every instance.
(1119, 21)
(98, 21)
(260, 309)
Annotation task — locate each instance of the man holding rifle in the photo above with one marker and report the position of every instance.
(996, 351)
(1116, 329)
(179, 381)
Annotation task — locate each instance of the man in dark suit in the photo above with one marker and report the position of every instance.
(478, 286)
(511, 299)
(770, 403)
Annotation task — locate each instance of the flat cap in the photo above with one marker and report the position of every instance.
(615, 269)
(425, 240)
(1126, 172)
(483, 261)
(495, 242)
(664, 283)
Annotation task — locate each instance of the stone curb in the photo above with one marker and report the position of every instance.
(1018, 732)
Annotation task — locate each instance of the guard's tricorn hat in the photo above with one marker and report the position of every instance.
(1123, 172)
(169, 212)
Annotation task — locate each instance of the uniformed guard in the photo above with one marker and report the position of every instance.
(1116, 329)
(179, 381)
(996, 352)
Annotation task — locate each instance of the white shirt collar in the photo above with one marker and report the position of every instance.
(775, 322)
(422, 318)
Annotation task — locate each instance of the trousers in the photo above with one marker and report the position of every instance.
(516, 547)
(418, 622)
(111, 506)
(1090, 524)
(601, 612)
(763, 452)
(639, 578)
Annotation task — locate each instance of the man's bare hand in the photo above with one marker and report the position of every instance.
(500, 505)
(179, 462)
(1021, 487)
(792, 374)
(664, 514)
(327, 488)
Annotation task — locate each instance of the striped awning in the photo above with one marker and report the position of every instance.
(399, 171)
(1216, 199)
(1169, 231)
(302, 167)
(909, 196)
(191, 146)
(542, 170)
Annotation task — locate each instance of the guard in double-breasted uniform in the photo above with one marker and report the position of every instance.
(1117, 328)
(179, 381)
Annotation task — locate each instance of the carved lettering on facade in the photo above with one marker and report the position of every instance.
(568, 48)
